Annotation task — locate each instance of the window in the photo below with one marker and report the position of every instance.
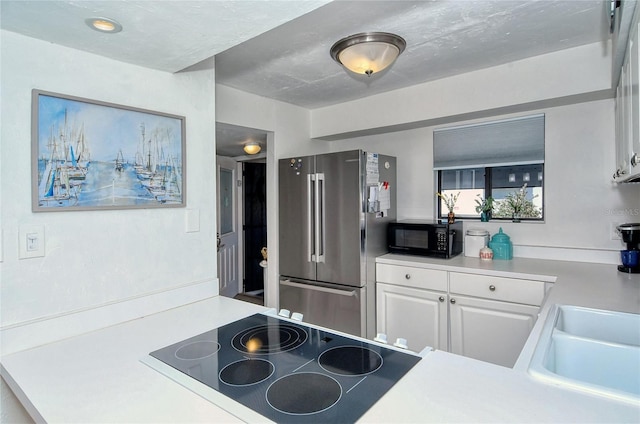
(469, 183)
(508, 181)
(501, 183)
(502, 159)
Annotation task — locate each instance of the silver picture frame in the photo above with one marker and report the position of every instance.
(93, 155)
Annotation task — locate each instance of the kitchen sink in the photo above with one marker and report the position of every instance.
(590, 350)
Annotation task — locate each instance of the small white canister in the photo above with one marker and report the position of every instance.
(486, 254)
(474, 240)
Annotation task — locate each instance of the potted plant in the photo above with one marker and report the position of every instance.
(450, 203)
(484, 208)
(517, 202)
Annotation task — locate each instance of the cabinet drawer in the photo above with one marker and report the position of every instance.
(514, 290)
(412, 277)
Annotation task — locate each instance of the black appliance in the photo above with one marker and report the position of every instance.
(630, 234)
(425, 238)
(288, 372)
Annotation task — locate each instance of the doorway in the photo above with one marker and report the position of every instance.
(242, 228)
(245, 176)
(255, 224)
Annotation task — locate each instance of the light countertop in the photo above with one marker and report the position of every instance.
(473, 391)
(98, 376)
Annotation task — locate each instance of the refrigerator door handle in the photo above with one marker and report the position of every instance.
(311, 236)
(348, 293)
(320, 213)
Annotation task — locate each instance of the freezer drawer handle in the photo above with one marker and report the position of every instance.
(348, 293)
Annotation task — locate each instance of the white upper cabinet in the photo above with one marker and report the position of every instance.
(628, 112)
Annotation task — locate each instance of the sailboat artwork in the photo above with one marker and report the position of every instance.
(94, 155)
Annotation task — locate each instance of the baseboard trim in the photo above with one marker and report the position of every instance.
(41, 331)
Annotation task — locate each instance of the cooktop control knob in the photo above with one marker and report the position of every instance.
(381, 337)
(401, 343)
(284, 313)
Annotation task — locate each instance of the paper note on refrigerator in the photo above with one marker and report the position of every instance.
(384, 196)
(373, 172)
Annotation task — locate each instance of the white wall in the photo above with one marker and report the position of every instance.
(580, 200)
(97, 258)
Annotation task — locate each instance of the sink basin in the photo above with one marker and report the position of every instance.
(591, 350)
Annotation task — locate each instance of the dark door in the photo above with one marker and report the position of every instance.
(255, 224)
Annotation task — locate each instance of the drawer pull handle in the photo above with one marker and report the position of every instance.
(441, 298)
(407, 276)
(492, 287)
(452, 301)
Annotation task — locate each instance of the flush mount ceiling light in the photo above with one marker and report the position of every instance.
(252, 148)
(368, 52)
(104, 25)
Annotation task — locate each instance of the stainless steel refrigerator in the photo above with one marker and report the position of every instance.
(334, 210)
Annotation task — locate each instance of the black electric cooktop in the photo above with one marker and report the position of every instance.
(289, 372)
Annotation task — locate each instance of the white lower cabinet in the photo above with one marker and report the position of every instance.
(411, 303)
(488, 330)
(420, 316)
(478, 316)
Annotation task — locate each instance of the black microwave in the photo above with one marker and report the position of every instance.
(425, 238)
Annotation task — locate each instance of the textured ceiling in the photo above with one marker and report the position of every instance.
(280, 49)
(169, 35)
(291, 63)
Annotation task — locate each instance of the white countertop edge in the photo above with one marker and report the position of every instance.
(21, 396)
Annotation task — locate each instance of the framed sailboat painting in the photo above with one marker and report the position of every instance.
(89, 155)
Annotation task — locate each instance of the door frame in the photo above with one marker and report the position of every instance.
(225, 162)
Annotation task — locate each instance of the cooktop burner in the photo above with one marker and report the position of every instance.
(246, 372)
(197, 350)
(350, 360)
(265, 339)
(312, 393)
(287, 372)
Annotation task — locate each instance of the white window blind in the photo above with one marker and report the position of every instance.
(516, 141)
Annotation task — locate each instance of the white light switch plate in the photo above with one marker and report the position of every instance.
(31, 241)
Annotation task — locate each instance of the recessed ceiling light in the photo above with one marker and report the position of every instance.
(104, 25)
